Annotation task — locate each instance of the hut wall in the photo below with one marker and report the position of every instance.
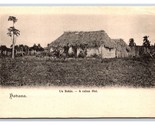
(107, 53)
(121, 53)
(92, 51)
(125, 53)
(78, 51)
(133, 52)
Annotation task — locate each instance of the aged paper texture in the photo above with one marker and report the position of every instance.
(77, 62)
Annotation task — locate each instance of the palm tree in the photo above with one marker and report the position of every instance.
(131, 42)
(146, 42)
(12, 32)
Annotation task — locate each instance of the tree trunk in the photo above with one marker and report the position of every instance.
(13, 47)
(22, 51)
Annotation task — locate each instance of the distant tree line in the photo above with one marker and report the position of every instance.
(21, 50)
(146, 42)
(146, 49)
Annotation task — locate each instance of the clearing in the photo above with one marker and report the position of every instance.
(35, 71)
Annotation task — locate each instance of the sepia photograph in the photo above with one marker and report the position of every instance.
(77, 61)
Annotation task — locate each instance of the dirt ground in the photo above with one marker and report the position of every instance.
(42, 71)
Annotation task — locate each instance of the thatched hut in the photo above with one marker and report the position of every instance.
(122, 49)
(96, 42)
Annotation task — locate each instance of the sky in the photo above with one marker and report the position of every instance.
(42, 25)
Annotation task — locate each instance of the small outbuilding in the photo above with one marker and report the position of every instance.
(122, 49)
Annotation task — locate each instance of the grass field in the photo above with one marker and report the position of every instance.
(33, 71)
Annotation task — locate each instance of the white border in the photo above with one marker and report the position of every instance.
(82, 122)
(77, 2)
(80, 2)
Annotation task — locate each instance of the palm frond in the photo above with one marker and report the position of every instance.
(9, 34)
(14, 31)
(12, 18)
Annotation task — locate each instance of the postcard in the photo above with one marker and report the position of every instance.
(77, 62)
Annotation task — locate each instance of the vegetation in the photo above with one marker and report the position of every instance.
(131, 42)
(12, 32)
(20, 50)
(30, 71)
(146, 42)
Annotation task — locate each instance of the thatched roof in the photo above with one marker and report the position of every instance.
(91, 39)
(120, 43)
